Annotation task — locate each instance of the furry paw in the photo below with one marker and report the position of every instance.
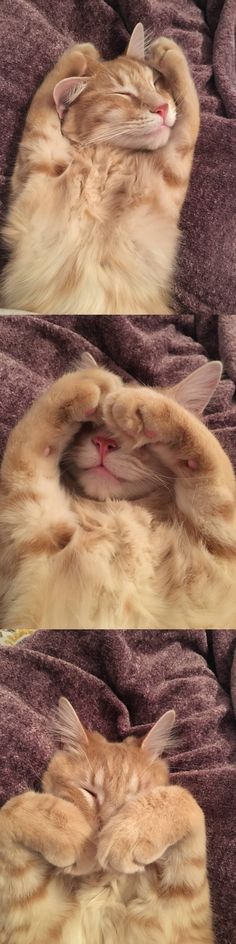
(122, 850)
(140, 415)
(52, 827)
(77, 396)
(168, 58)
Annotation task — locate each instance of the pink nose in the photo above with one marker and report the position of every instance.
(161, 110)
(104, 444)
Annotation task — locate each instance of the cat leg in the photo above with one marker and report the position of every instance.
(36, 445)
(42, 840)
(203, 478)
(176, 156)
(146, 827)
(49, 826)
(164, 829)
(42, 146)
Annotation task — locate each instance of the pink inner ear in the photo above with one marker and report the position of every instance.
(66, 92)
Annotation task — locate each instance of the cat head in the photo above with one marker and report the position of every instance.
(124, 102)
(101, 465)
(104, 774)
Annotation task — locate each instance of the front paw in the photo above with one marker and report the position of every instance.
(140, 416)
(167, 58)
(121, 849)
(77, 396)
(52, 827)
(115, 849)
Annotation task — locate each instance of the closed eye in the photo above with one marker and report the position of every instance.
(88, 790)
(128, 95)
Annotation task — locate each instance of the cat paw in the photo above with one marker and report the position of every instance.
(121, 850)
(52, 827)
(167, 57)
(140, 415)
(75, 58)
(115, 849)
(77, 396)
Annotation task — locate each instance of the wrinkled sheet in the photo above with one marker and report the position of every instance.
(120, 682)
(33, 34)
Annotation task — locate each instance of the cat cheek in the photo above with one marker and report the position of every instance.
(47, 451)
(191, 464)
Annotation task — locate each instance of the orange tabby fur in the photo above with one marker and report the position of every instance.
(109, 852)
(146, 540)
(92, 225)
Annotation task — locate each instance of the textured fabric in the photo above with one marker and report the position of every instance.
(119, 682)
(33, 34)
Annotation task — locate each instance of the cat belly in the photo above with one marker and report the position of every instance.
(120, 572)
(86, 257)
(129, 911)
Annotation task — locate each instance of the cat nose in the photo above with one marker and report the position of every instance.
(104, 444)
(161, 110)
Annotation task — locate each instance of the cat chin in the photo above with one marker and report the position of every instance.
(158, 138)
(100, 489)
(148, 141)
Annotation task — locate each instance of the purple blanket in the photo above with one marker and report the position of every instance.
(32, 35)
(119, 683)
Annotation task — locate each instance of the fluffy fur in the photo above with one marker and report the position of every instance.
(110, 852)
(117, 509)
(99, 183)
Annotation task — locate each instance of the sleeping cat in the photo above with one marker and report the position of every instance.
(99, 182)
(117, 509)
(109, 852)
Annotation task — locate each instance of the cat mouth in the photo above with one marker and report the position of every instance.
(102, 472)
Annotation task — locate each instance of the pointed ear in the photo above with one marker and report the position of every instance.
(136, 43)
(87, 360)
(67, 727)
(159, 738)
(66, 92)
(195, 391)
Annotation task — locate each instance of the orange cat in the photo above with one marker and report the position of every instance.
(99, 183)
(117, 509)
(110, 852)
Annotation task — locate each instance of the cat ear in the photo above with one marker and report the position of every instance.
(158, 739)
(67, 727)
(195, 391)
(87, 360)
(136, 43)
(66, 92)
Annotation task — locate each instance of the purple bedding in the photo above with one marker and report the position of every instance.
(32, 35)
(120, 682)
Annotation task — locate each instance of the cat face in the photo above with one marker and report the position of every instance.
(124, 104)
(102, 468)
(108, 774)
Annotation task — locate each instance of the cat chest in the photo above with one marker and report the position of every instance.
(118, 206)
(103, 915)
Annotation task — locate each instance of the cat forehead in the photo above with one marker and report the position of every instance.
(124, 71)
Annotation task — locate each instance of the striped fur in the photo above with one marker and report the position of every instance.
(126, 863)
(92, 225)
(147, 542)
